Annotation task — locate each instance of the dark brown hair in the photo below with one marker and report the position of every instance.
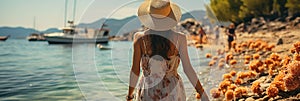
(160, 46)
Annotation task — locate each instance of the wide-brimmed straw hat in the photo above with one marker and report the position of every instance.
(159, 15)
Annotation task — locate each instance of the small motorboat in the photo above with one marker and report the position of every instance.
(101, 47)
(36, 37)
(3, 38)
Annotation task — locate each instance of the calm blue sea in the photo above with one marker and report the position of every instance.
(39, 71)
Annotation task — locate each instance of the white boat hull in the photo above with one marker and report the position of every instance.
(76, 36)
(65, 40)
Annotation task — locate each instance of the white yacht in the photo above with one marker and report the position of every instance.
(73, 35)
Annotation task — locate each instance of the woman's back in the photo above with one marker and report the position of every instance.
(160, 80)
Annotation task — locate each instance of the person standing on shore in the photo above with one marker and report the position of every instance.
(202, 35)
(217, 32)
(230, 32)
(157, 52)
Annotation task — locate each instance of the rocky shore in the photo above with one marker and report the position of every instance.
(264, 64)
(265, 25)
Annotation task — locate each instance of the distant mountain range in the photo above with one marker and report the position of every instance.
(131, 23)
(21, 32)
(117, 26)
(16, 32)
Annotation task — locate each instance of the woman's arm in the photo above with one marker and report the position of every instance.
(135, 69)
(228, 33)
(188, 69)
(234, 35)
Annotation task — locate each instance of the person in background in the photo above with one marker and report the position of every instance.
(85, 30)
(230, 32)
(202, 35)
(217, 32)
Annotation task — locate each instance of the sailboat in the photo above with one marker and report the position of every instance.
(73, 35)
(35, 36)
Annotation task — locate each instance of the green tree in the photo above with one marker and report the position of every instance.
(219, 8)
(279, 8)
(258, 7)
(245, 14)
(293, 6)
(226, 10)
(235, 8)
(244, 10)
(210, 14)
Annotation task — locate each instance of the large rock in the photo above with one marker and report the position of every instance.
(279, 27)
(280, 41)
(264, 27)
(254, 21)
(296, 21)
(260, 24)
(240, 27)
(280, 19)
(250, 99)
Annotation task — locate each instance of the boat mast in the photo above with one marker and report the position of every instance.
(34, 22)
(71, 22)
(66, 11)
(74, 10)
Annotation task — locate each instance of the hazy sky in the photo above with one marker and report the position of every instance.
(50, 13)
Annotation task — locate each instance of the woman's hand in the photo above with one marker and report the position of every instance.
(198, 96)
(203, 97)
(227, 33)
(129, 98)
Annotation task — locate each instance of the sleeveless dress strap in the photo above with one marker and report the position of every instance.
(177, 46)
(177, 41)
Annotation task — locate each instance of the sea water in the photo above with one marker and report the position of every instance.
(39, 71)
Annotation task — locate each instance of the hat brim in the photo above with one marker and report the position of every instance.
(159, 24)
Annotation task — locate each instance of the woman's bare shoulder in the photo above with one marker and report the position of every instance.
(138, 35)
